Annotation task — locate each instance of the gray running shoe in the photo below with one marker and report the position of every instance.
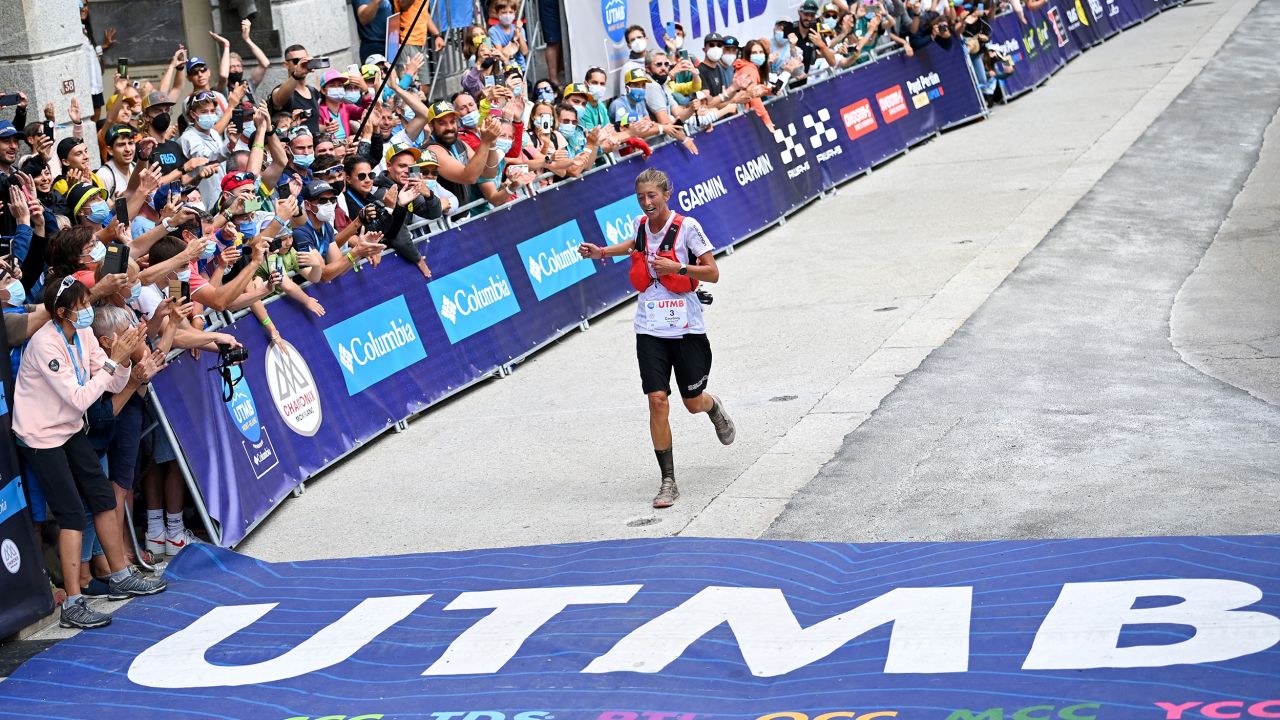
(667, 494)
(725, 429)
(80, 616)
(135, 586)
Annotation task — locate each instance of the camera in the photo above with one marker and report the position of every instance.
(229, 356)
(704, 297)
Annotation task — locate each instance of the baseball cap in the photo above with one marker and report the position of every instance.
(830, 8)
(330, 75)
(713, 38)
(156, 99)
(731, 42)
(66, 145)
(439, 109)
(635, 75)
(369, 70)
(429, 158)
(236, 180)
(118, 131)
(7, 130)
(315, 189)
(575, 89)
(375, 59)
(82, 194)
(194, 63)
(403, 147)
(809, 6)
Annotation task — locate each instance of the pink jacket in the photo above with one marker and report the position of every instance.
(48, 403)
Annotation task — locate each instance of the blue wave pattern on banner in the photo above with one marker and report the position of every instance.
(1014, 586)
(375, 344)
(475, 298)
(551, 260)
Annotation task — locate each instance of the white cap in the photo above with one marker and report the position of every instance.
(374, 59)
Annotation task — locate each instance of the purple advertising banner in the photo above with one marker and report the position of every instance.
(1056, 33)
(391, 344)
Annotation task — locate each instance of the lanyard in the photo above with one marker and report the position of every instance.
(82, 374)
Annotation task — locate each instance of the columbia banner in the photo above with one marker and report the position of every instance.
(691, 629)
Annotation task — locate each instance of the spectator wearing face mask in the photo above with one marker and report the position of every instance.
(637, 43)
(659, 98)
(341, 109)
(301, 153)
(485, 72)
(785, 56)
(204, 138)
(630, 106)
(63, 372)
(546, 91)
(201, 79)
(468, 118)
(278, 270)
(594, 113)
(507, 36)
(340, 251)
(709, 67)
(547, 149)
(749, 73)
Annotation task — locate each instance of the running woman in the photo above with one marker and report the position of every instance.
(670, 333)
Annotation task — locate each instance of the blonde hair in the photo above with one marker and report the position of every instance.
(654, 176)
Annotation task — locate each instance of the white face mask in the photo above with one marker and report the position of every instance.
(713, 54)
(506, 19)
(638, 45)
(728, 58)
(678, 41)
(324, 213)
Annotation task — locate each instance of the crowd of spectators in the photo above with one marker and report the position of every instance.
(213, 194)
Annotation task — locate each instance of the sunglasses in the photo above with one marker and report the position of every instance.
(326, 201)
(662, 64)
(363, 176)
(332, 172)
(430, 173)
(203, 96)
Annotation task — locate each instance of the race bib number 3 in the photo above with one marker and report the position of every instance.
(666, 314)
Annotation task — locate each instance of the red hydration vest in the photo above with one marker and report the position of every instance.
(639, 273)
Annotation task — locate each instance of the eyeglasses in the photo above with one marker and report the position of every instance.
(363, 176)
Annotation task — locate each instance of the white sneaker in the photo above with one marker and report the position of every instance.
(175, 543)
(156, 546)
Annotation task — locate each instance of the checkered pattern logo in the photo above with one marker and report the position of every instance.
(821, 134)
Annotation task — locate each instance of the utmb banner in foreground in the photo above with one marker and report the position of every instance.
(686, 629)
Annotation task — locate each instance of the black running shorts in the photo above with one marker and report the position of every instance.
(689, 356)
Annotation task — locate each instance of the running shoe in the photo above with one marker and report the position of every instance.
(135, 585)
(156, 546)
(725, 429)
(174, 544)
(80, 616)
(667, 494)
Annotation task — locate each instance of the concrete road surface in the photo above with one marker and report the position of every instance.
(817, 321)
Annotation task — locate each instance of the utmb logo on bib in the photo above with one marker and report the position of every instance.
(552, 261)
(474, 298)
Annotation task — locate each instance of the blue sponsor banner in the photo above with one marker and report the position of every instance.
(617, 221)
(551, 260)
(475, 298)
(1146, 628)
(375, 344)
(12, 499)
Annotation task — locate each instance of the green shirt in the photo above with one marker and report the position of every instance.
(593, 115)
(287, 264)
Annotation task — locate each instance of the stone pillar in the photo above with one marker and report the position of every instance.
(39, 51)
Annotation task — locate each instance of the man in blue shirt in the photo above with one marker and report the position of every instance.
(371, 23)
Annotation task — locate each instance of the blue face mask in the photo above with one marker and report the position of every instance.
(303, 161)
(433, 185)
(98, 252)
(17, 293)
(471, 119)
(210, 247)
(635, 95)
(100, 213)
(135, 292)
(503, 145)
(568, 130)
(248, 228)
(352, 97)
(779, 37)
(207, 121)
(248, 129)
(84, 318)
(184, 275)
(546, 95)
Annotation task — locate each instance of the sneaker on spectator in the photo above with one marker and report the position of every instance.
(156, 546)
(135, 585)
(79, 615)
(175, 543)
(97, 588)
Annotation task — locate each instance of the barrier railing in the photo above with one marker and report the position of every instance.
(510, 281)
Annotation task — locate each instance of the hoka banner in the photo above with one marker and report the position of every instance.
(688, 629)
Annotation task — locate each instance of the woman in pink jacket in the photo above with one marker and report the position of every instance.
(750, 72)
(63, 372)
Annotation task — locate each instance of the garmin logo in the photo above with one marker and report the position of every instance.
(753, 170)
(552, 261)
(375, 344)
(476, 297)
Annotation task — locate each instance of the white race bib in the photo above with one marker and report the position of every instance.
(666, 314)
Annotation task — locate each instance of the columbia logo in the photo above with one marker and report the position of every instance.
(611, 233)
(347, 359)
(449, 309)
(535, 270)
